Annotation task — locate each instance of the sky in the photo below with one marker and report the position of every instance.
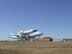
(52, 17)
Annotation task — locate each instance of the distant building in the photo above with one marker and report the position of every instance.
(49, 38)
(67, 40)
(45, 39)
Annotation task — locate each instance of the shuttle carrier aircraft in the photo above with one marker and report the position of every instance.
(26, 35)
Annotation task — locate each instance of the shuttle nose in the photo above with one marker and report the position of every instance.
(35, 30)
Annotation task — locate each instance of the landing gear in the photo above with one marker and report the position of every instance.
(27, 39)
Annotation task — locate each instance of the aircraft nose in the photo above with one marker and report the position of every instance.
(41, 33)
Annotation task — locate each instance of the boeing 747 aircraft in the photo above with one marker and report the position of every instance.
(27, 34)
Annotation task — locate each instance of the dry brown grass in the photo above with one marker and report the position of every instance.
(35, 48)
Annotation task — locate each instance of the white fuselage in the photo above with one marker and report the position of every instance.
(32, 33)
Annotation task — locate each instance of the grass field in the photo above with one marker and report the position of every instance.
(35, 48)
